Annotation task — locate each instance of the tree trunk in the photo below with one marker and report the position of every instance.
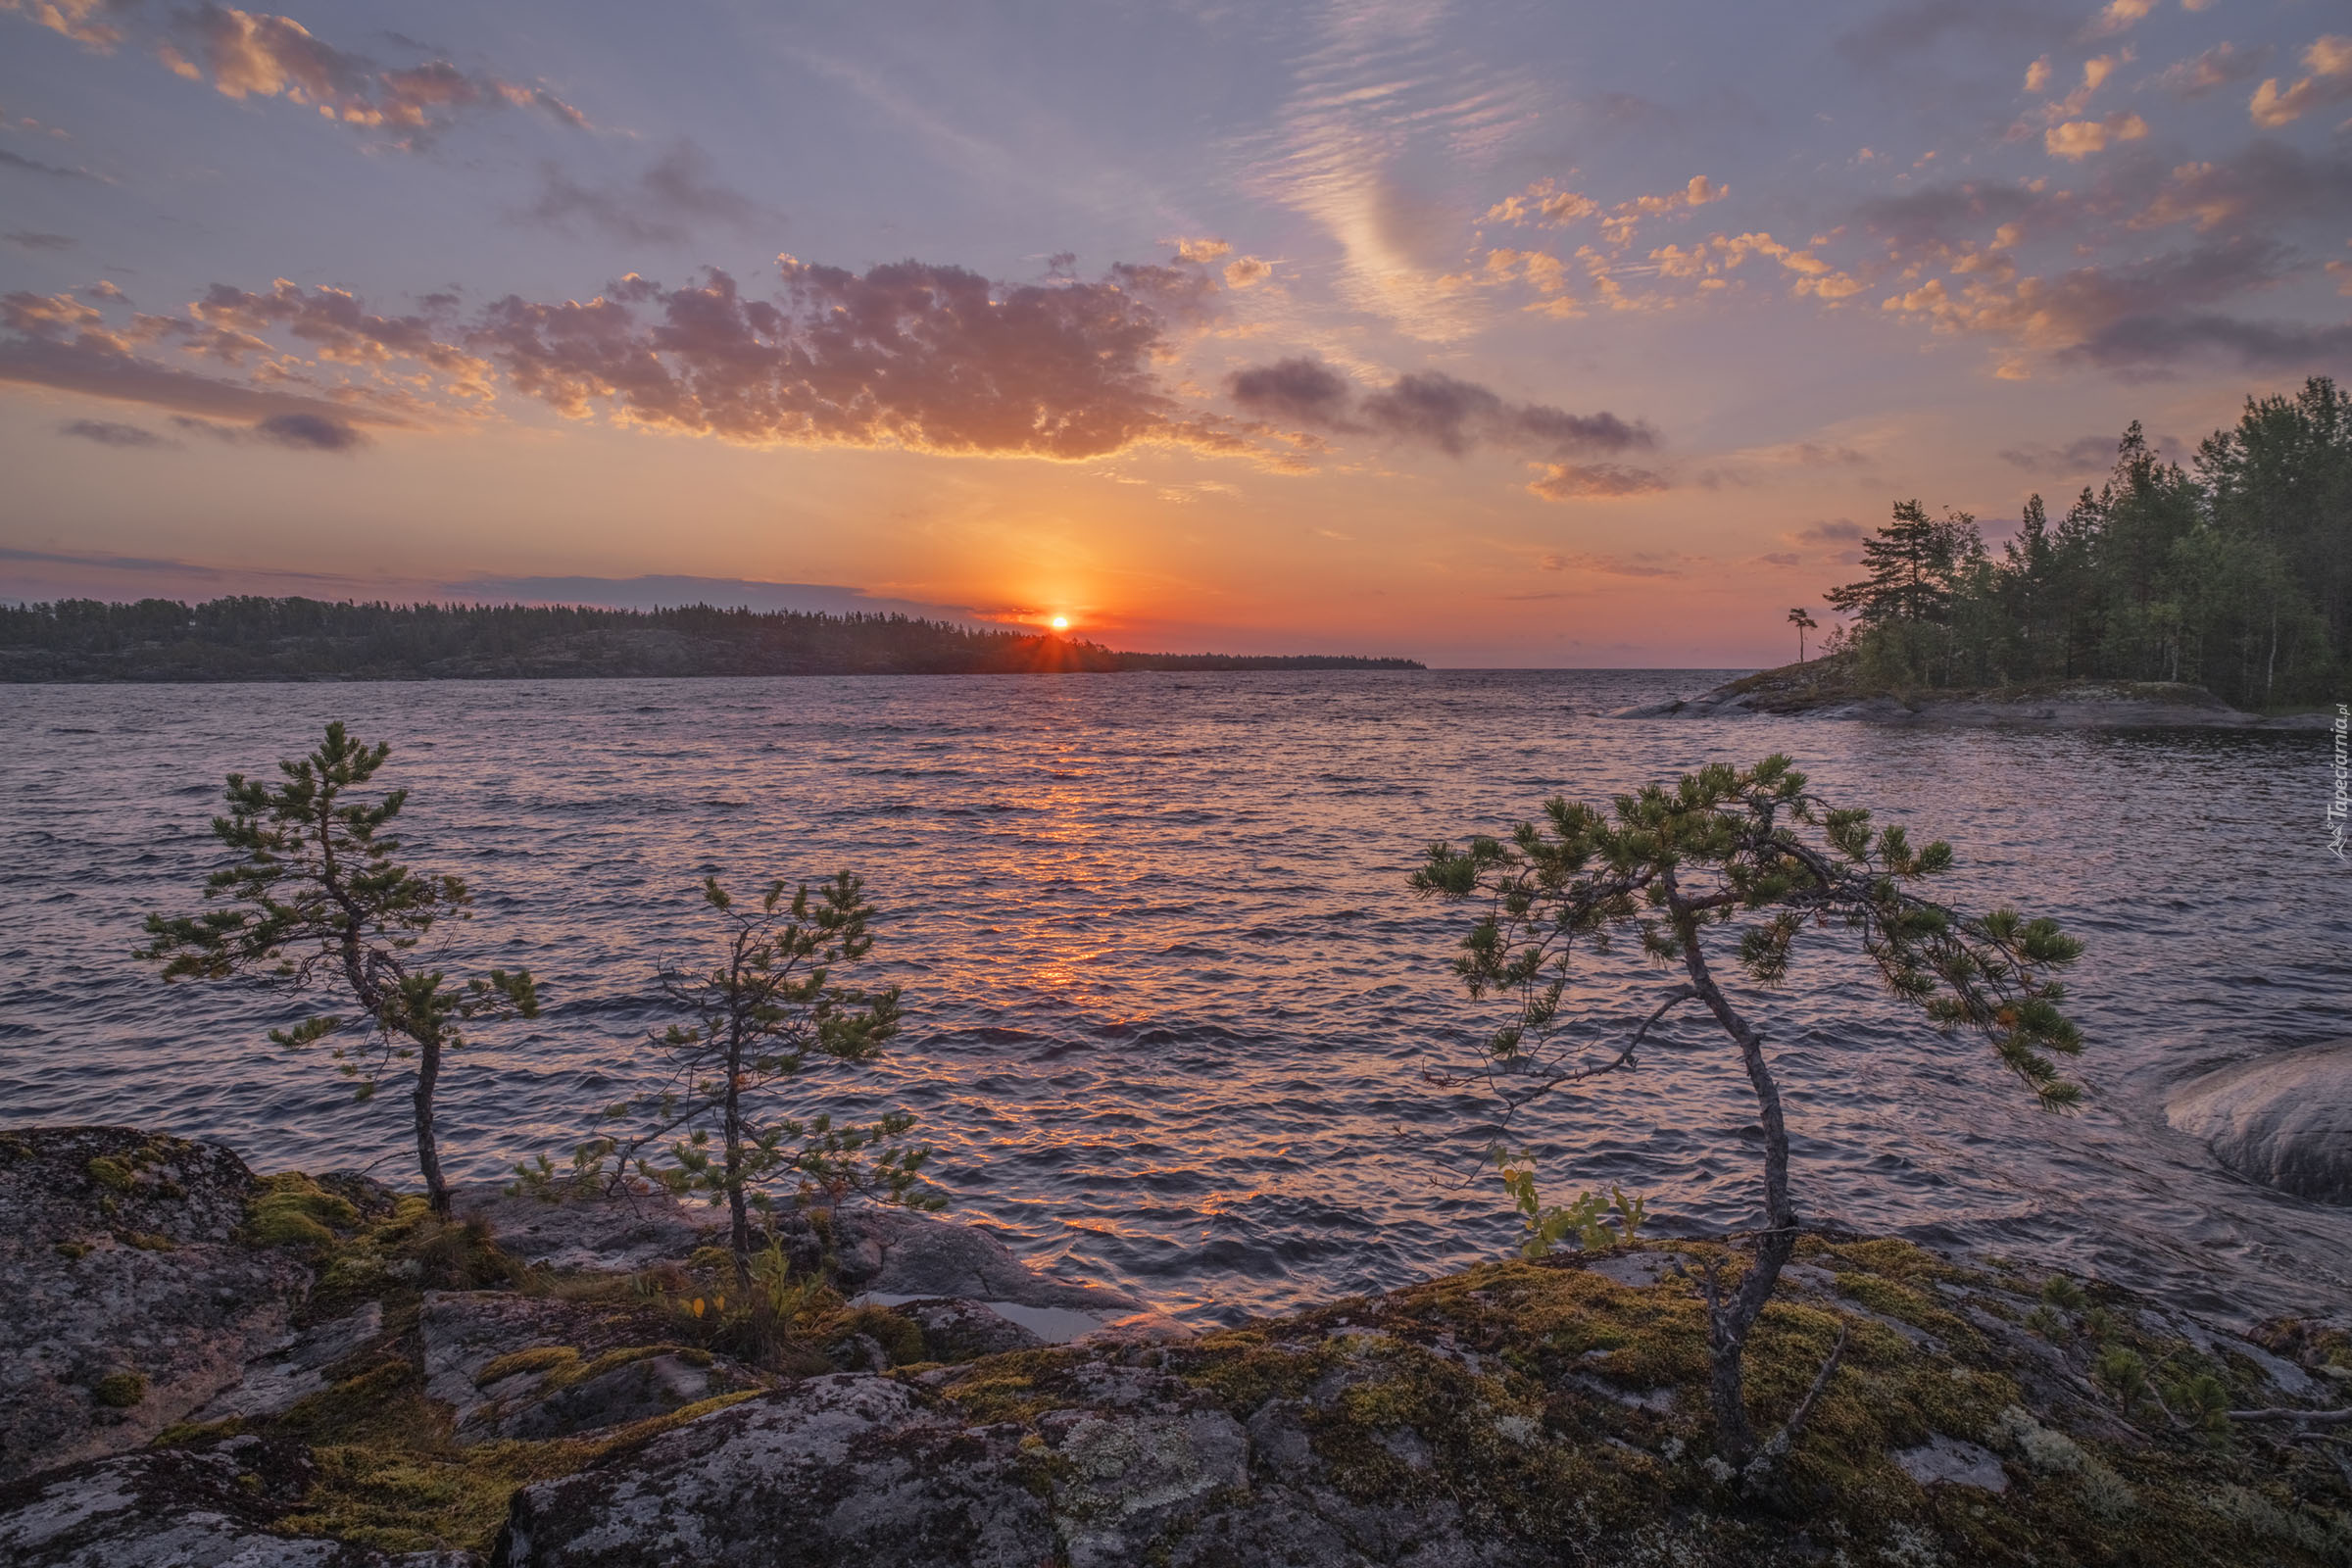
(1728, 1322)
(739, 1229)
(428, 1149)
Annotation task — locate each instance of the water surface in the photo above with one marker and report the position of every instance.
(1170, 1003)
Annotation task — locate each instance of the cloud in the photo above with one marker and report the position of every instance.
(1598, 481)
(2120, 15)
(1937, 221)
(1924, 25)
(1427, 408)
(928, 357)
(1545, 205)
(2266, 183)
(64, 344)
(33, 165)
(2328, 59)
(2077, 309)
(1245, 270)
(78, 20)
(2086, 455)
(1296, 391)
(2218, 67)
(110, 433)
(662, 206)
(246, 54)
(299, 432)
(28, 239)
(2077, 139)
(1641, 563)
(2160, 338)
(1834, 531)
(1201, 250)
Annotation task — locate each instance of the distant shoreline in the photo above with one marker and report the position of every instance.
(304, 641)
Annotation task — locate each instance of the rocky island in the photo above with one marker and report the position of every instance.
(1834, 687)
(205, 1366)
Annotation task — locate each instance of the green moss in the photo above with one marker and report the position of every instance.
(292, 1210)
(113, 1173)
(120, 1391)
(901, 1337)
(196, 1434)
(538, 1358)
(149, 1242)
(74, 1252)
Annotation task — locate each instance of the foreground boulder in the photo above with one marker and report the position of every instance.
(2284, 1119)
(1511, 1415)
(130, 1299)
(178, 1509)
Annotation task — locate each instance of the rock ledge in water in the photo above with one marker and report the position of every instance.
(2284, 1119)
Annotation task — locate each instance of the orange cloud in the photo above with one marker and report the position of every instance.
(2328, 59)
(2077, 139)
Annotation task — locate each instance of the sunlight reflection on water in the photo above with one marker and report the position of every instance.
(1170, 1003)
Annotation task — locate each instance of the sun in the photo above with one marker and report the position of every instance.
(1061, 623)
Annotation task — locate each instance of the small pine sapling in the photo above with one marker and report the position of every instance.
(768, 1010)
(315, 897)
(1749, 849)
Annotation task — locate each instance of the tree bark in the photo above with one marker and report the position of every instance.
(428, 1149)
(739, 1232)
(1728, 1322)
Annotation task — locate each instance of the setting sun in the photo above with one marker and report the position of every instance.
(1061, 623)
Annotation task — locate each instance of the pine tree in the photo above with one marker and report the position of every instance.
(317, 898)
(1680, 867)
(766, 1011)
(1911, 563)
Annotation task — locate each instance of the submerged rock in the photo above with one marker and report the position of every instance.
(2284, 1119)
(897, 1252)
(130, 1300)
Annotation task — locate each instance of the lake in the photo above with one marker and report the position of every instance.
(1170, 1003)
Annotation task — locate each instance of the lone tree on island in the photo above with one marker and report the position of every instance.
(1803, 625)
(766, 1011)
(315, 897)
(1750, 849)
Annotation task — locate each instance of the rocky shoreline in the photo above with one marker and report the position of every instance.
(202, 1366)
(1828, 687)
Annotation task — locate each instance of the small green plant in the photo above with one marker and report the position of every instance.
(315, 897)
(1584, 1221)
(2063, 1295)
(2200, 1402)
(2053, 1326)
(112, 1174)
(771, 1010)
(2124, 1373)
(120, 1391)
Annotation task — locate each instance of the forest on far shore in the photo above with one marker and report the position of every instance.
(247, 638)
(2233, 573)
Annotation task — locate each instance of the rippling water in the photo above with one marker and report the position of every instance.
(1170, 1003)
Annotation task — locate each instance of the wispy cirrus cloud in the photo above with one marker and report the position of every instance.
(665, 204)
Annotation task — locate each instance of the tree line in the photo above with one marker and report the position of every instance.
(2233, 573)
(255, 638)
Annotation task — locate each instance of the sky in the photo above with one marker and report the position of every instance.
(1490, 334)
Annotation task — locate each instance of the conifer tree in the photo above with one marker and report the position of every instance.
(1751, 859)
(758, 1018)
(315, 897)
